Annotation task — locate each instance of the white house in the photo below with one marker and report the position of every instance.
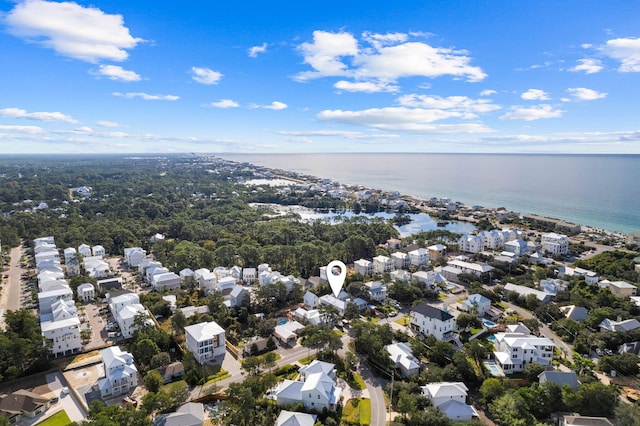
(294, 418)
(206, 279)
(403, 359)
(249, 275)
(382, 264)
(401, 276)
(316, 391)
(377, 290)
(61, 328)
(205, 341)
(121, 374)
(47, 298)
(311, 300)
(430, 279)
(492, 240)
(134, 255)
(555, 244)
(98, 251)
(402, 260)
(331, 300)
(515, 350)
(590, 277)
(450, 398)
(86, 292)
(189, 414)
(518, 247)
(429, 320)
(125, 307)
(419, 257)
(524, 291)
(317, 366)
(71, 261)
(363, 267)
(476, 303)
(236, 296)
(471, 243)
(167, 279)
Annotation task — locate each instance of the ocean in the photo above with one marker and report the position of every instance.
(601, 191)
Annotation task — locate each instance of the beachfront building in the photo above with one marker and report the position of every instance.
(121, 374)
(363, 267)
(555, 244)
(206, 341)
(517, 349)
(431, 321)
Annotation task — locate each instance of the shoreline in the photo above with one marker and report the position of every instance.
(419, 202)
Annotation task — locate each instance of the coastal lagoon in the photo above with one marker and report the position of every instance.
(601, 191)
(419, 222)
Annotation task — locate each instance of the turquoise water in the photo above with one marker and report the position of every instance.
(489, 324)
(602, 191)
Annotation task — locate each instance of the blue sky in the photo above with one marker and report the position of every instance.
(348, 76)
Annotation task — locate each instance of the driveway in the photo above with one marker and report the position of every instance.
(10, 296)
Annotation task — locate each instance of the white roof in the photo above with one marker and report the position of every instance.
(292, 418)
(454, 409)
(445, 389)
(204, 330)
(317, 367)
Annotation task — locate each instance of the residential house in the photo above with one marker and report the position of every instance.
(249, 275)
(311, 317)
(86, 292)
(84, 250)
(98, 251)
(109, 284)
(166, 280)
(47, 298)
(555, 244)
(578, 420)
(419, 257)
(560, 378)
(121, 374)
(377, 290)
(311, 300)
(518, 247)
(402, 260)
(189, 311)
(382, 264)
(451, 399)
(206, 279)
(429, 279)
(477, 304)
(393, 244)
(515, 350)
(590, 277)
(206, 341)
(133, 256)
(471, 243)
(524, 291)
(125, 307)
(316, 391)
(575, 313)
(403, 359)
(22, 403)
(236, 296)
(71, 261)
(620, 288)
(401, 276)
(189, 414)
(458, 266)
(429, 320)
(363, 267)
(624, 326)
(288, 333)
(331, 300)
(61, 329)
(436, 251)
(493, 239)
(317, 366)
(294, 418)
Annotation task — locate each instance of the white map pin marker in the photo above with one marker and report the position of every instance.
(336, 273)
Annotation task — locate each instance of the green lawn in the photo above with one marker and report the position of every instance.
(307, 360)
(357, 411)
(403, 321)
(58, 419)
(359, 382)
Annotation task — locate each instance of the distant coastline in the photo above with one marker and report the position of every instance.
(593, 191)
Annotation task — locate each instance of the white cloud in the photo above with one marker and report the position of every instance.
(338, 133)
(584, 94)
(589, 66)
(205, 75)
(488, 92)
(403, 119)
(84, 33)
(469, 107)
(534, 95)
(626, 50)
(254, 51)
(532, 113)
(365, 86)
(225, 103)
(22, 129)
(298, 140)
(383, 58)
(114, 72)
(105, 123)
(275, 105)
(39, 116)
(146, 96)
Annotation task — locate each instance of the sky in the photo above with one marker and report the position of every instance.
(320, 76)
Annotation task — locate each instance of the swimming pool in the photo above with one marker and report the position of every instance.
(492, 339)
(283, 322)
(493, 368)
(488, 323)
